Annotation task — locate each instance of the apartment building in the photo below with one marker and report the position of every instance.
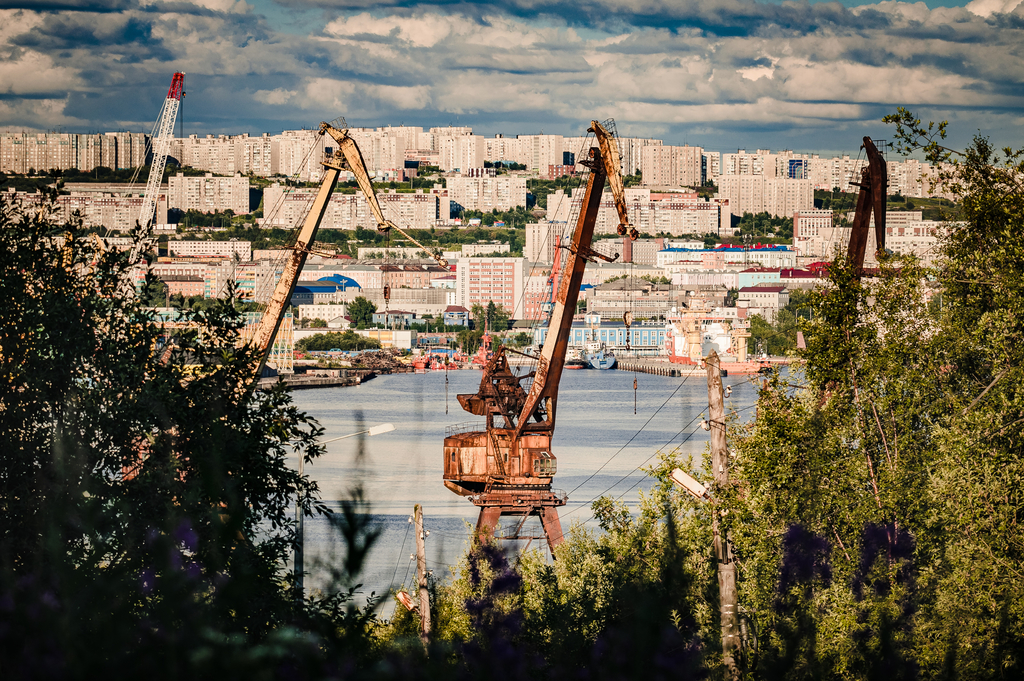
(540, 241)
(502, 192)
(640, 252)
(97, 209)
(24, 151)
(208, 194)
(639, 296)
(670, 166)
(537, 292)
(765, 300)
(286, 207)
(781, 197)
(237, 250)
(763, 255)
(672, 213)
(499, 280)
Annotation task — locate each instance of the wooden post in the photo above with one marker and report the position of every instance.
(723, 549)
(421, 574)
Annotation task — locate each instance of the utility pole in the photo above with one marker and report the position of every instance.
(421, 574)
(723, 548)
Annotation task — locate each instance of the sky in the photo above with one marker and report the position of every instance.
(722, 74)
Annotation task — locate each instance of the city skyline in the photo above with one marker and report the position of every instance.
(724, 75)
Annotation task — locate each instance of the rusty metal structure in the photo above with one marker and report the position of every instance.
(870, 199)
(507, 469)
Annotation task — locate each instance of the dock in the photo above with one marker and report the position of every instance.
(345, 377)
(658, 367)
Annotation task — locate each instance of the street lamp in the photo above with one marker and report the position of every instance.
(298, 567)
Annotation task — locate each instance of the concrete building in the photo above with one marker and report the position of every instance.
(327, 313)
(503, 192)
(540, 241)
(499, 280)
(115, 212)
(286, 207)
(670, 166)
(672, 213)
(812, 231)
(765, 300)
(645, 300)
(43, 151)
(780, 197)
(238, 250)
(208, 194)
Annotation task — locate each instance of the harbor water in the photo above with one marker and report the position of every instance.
(601, 446)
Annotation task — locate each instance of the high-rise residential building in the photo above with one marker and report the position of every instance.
(671, 166)
(502, 192)
(671, 213)
(209, 194)
(813, 232)
(540, 241)
(286, 207)
(780, 197)
(98, 209)
(480, 281)
(201, 248)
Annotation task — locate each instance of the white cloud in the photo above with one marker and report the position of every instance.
(985, 8)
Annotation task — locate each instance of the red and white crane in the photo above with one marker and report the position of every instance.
(162, 139)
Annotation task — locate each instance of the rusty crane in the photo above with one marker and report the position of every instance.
(347, 155)
(870, 200)
(508, 468)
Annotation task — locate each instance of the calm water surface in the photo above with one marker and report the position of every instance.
(600, 443)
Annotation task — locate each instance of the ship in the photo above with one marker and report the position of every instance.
(599, 357)
(574, 360)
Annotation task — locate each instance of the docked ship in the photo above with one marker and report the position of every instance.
(599, 357)
(575, 360)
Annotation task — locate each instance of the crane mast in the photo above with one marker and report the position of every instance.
(508, 468)
(161, 148)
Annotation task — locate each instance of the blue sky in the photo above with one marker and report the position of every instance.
(724, 74)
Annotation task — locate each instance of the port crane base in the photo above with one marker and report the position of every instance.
(544, 509)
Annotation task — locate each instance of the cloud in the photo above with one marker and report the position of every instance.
(715, 72)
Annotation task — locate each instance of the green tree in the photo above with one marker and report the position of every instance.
(145, 502)
(361, 312)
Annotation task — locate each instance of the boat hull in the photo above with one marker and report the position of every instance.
(601, 361)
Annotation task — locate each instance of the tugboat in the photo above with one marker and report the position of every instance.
(599, 357)
(575, 361)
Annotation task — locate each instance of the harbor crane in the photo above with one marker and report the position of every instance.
(870, 199)
(508, 468)
(346, 156)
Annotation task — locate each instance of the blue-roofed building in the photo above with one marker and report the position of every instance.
(347, 282)
(393, 319)
(763, 255)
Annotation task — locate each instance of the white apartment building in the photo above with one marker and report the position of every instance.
(670, 166)
(812, 230)
(238, 250)
(502, 192)
(286, 207)
(98, 209)
(24, 151)
(480, 281)
(540, 241)
(675, 213)
(208, 194)
(781, 197)
(326, 313)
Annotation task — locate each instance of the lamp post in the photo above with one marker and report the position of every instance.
(297, 563)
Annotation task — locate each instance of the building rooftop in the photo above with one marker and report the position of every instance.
(762, 289)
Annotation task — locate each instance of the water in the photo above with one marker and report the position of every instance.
(600, 443)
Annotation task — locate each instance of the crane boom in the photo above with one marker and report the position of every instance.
(266, 330)
(870, 199)
(356, 164)
(161, 148)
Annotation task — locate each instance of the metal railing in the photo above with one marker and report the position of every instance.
(467, 427)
